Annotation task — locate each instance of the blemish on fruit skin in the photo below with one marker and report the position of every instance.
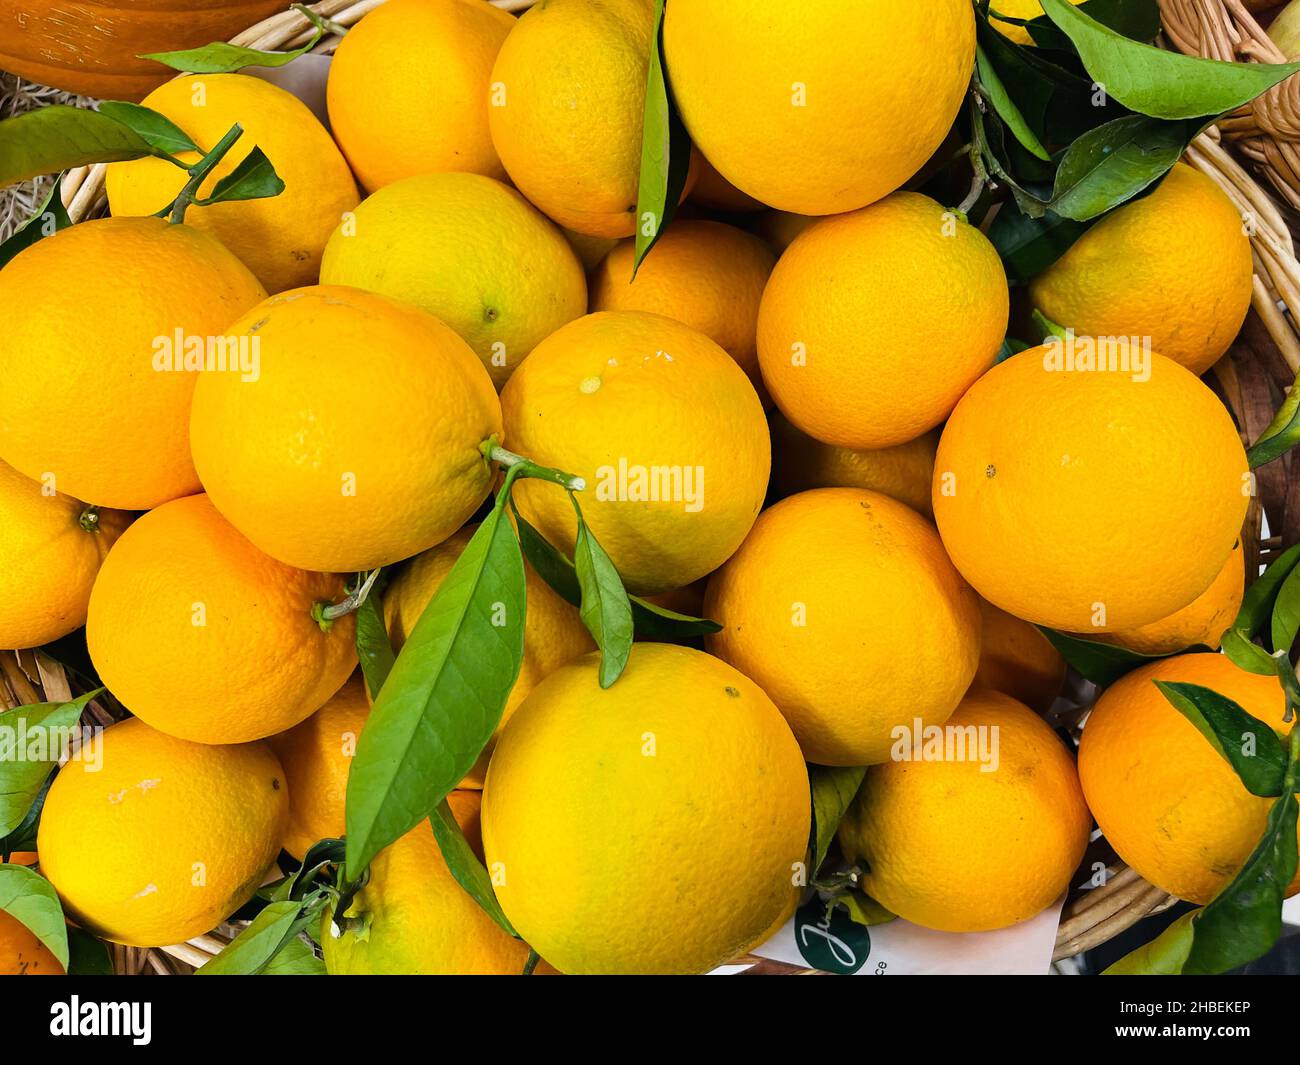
(275, 784)
(733, 692)
(588, 385)
(990, 471)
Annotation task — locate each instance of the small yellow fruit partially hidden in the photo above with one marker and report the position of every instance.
(22, 953)
(206, 638)
(843, 606)
(1025, 9)
(408, 89)
(1203, 621)
(1172, 269)
(280, 238)
(1018, 660)
(656, 826)
(316, 755)
(311, 464)
(570, 85)
(902, 472)
(151, 840)
(51, 548)
(980, 826)
(468, 250)
(553, 631)
(413, 919)
(707, 275)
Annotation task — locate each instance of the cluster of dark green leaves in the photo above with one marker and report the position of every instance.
(1088, 117)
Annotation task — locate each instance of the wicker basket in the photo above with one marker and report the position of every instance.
(1252, 379)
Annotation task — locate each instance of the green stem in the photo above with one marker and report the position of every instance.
(89, 519)
(525, 467)
(319, 21)
(531, 963)
(198, 173)
(325, 614)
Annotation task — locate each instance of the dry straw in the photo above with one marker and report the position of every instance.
(1262, 138)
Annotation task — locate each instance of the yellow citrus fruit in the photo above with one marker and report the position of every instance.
(1018, 660)
(408, 90)
(280, 238)
(707, 275)
(470, 251)
(613, 815)
(714, 191)
(1167, 801)
(22, 953)
(980, 826)
(51, 547)
(1026, 9)
(416, 920)
(778, 103)
(642, 408)
(876, 322)
(843, 606)
(589, 250)
(311, 466)
(316, 755)
(1173, 268)
(1203, 621)
(571, 83)
(1122, 492)
(205, 637)
(779, 228)
(96, 385)
(553, 631)
(902, 472)
(151, 840)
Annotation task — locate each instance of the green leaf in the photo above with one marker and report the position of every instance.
(650, 620)
(1257, 603)
(1101, 663)
(445, 695)
(49, 218)
(157, 131)
(465, 865)
(1248, 656)
(253, 179)
(1282, 434)
(833, 789)
(250, 952)
(1244, 920)
(87, 956)
(56, 138)
(863, 909)
(665, 153)
(1160, 83)
(24, 770)
(1286, 613)
(221, 58)
(996, 94)
(1028, 245)
(605, 608)
(1229, 728)
(374, 649)
(1163, 956)
(296, 958)
(1138, 20)
(31, 899)
(1113, 163)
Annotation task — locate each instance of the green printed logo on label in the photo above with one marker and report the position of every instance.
(829, 939)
